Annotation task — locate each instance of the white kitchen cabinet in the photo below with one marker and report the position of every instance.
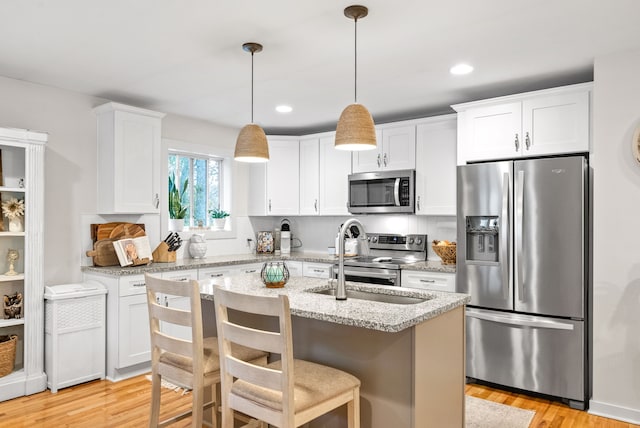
(128, 342)
(324, 172)
(214, 272)
(553, 121)
(128, 159)
(309, 176)
(335, 167)
(396, 150)
(22, 178)
(177, 302)
(274, 187)
(295, 268)
(249, 268)
(436, 166)
(316, 270)
(435, 281)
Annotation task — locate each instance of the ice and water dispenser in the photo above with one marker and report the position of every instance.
(483, 238)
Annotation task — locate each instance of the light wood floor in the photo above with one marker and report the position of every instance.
(126, 404)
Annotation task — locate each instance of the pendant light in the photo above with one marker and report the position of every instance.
(251, 145)
(355, 130)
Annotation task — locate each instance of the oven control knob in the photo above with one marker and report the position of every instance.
(410, 241)
(418, 241)
(374, 239)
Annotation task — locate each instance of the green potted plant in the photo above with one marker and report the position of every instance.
(219, 218)
(177, 209)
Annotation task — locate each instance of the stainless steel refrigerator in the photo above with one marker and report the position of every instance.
(522, 256)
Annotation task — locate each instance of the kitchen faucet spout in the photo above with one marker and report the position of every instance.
(341, 291)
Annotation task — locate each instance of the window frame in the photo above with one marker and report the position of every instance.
(171, 146)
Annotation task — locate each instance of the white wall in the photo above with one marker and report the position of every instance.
(70, 170)
(616, 366)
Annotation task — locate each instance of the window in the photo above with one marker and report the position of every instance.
(203, 192)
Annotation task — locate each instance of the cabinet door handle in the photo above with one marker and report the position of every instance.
(166, 301)
(315, 205)
(428, 280)
(384, 160)
(418, 203)
(378, 160)
(269, 205)
(527, 141)
(157, 201)
(517, 143)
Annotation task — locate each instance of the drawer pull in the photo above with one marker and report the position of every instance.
(319, 270)
(184, 278)
(215, 275)
(251, 271)
(428, 280)
(138, 284)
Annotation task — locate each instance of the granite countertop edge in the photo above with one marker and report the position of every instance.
(385, 317)
(240, 259)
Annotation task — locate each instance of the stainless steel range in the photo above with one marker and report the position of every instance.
(387, 253)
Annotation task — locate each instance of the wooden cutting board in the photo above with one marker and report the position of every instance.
(105, 230)
(103, 253)
(127, 230)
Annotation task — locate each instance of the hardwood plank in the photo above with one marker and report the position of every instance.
(126, 403)
(549, 414)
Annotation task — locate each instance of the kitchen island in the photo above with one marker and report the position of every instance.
(409, 357)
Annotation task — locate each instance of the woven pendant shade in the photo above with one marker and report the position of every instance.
(355, 130)
(251, 145)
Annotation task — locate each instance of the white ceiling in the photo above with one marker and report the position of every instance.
(185, 57)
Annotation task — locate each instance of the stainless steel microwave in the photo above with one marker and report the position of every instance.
(382, 192)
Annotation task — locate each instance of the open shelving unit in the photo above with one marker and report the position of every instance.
(22, 155)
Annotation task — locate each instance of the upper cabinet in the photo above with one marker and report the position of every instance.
(396, 150)
(129, 141)
(274, 186)
(335, 167)
(436, 166)
(548, 122)
(323, 176)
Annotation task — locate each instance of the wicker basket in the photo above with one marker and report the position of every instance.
(446, 252)
(7, 353)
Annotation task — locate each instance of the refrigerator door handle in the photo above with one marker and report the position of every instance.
(396, 193)
(520, 222)
(504, 235)
(520, 320)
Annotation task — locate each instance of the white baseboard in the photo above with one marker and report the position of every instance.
(613, 411)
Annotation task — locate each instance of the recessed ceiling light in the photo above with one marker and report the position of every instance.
(284, 109)
(460, 69)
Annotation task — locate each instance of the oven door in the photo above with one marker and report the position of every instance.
(370, 275)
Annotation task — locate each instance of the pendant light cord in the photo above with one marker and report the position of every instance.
(355, 60)
(252, 87)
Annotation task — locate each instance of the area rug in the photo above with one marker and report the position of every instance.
(487, 414)
(168, 385)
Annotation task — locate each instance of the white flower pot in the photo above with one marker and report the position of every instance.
(219, 223)
(15, 225)
(176, 224)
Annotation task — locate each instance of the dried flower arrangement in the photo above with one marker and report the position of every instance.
(13, 208)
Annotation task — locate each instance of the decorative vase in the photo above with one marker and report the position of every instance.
(197, 246)
(15, 225)
(176, 224)
(219, 223)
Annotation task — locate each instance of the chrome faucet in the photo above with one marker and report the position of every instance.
(341, 291)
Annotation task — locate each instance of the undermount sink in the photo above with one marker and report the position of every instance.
(375, 297)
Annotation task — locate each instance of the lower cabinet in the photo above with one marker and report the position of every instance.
(316, 270)
(435, 281)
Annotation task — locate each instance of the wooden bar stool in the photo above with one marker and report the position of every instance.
(285, 393)
(191, 362)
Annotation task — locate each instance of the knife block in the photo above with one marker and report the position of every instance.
(162, 254)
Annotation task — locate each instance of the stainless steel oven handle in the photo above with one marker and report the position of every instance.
(367, 273)
(396, 192)
(521, 320)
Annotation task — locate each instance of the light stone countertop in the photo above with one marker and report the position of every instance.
(372, 315)
(239, 259)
